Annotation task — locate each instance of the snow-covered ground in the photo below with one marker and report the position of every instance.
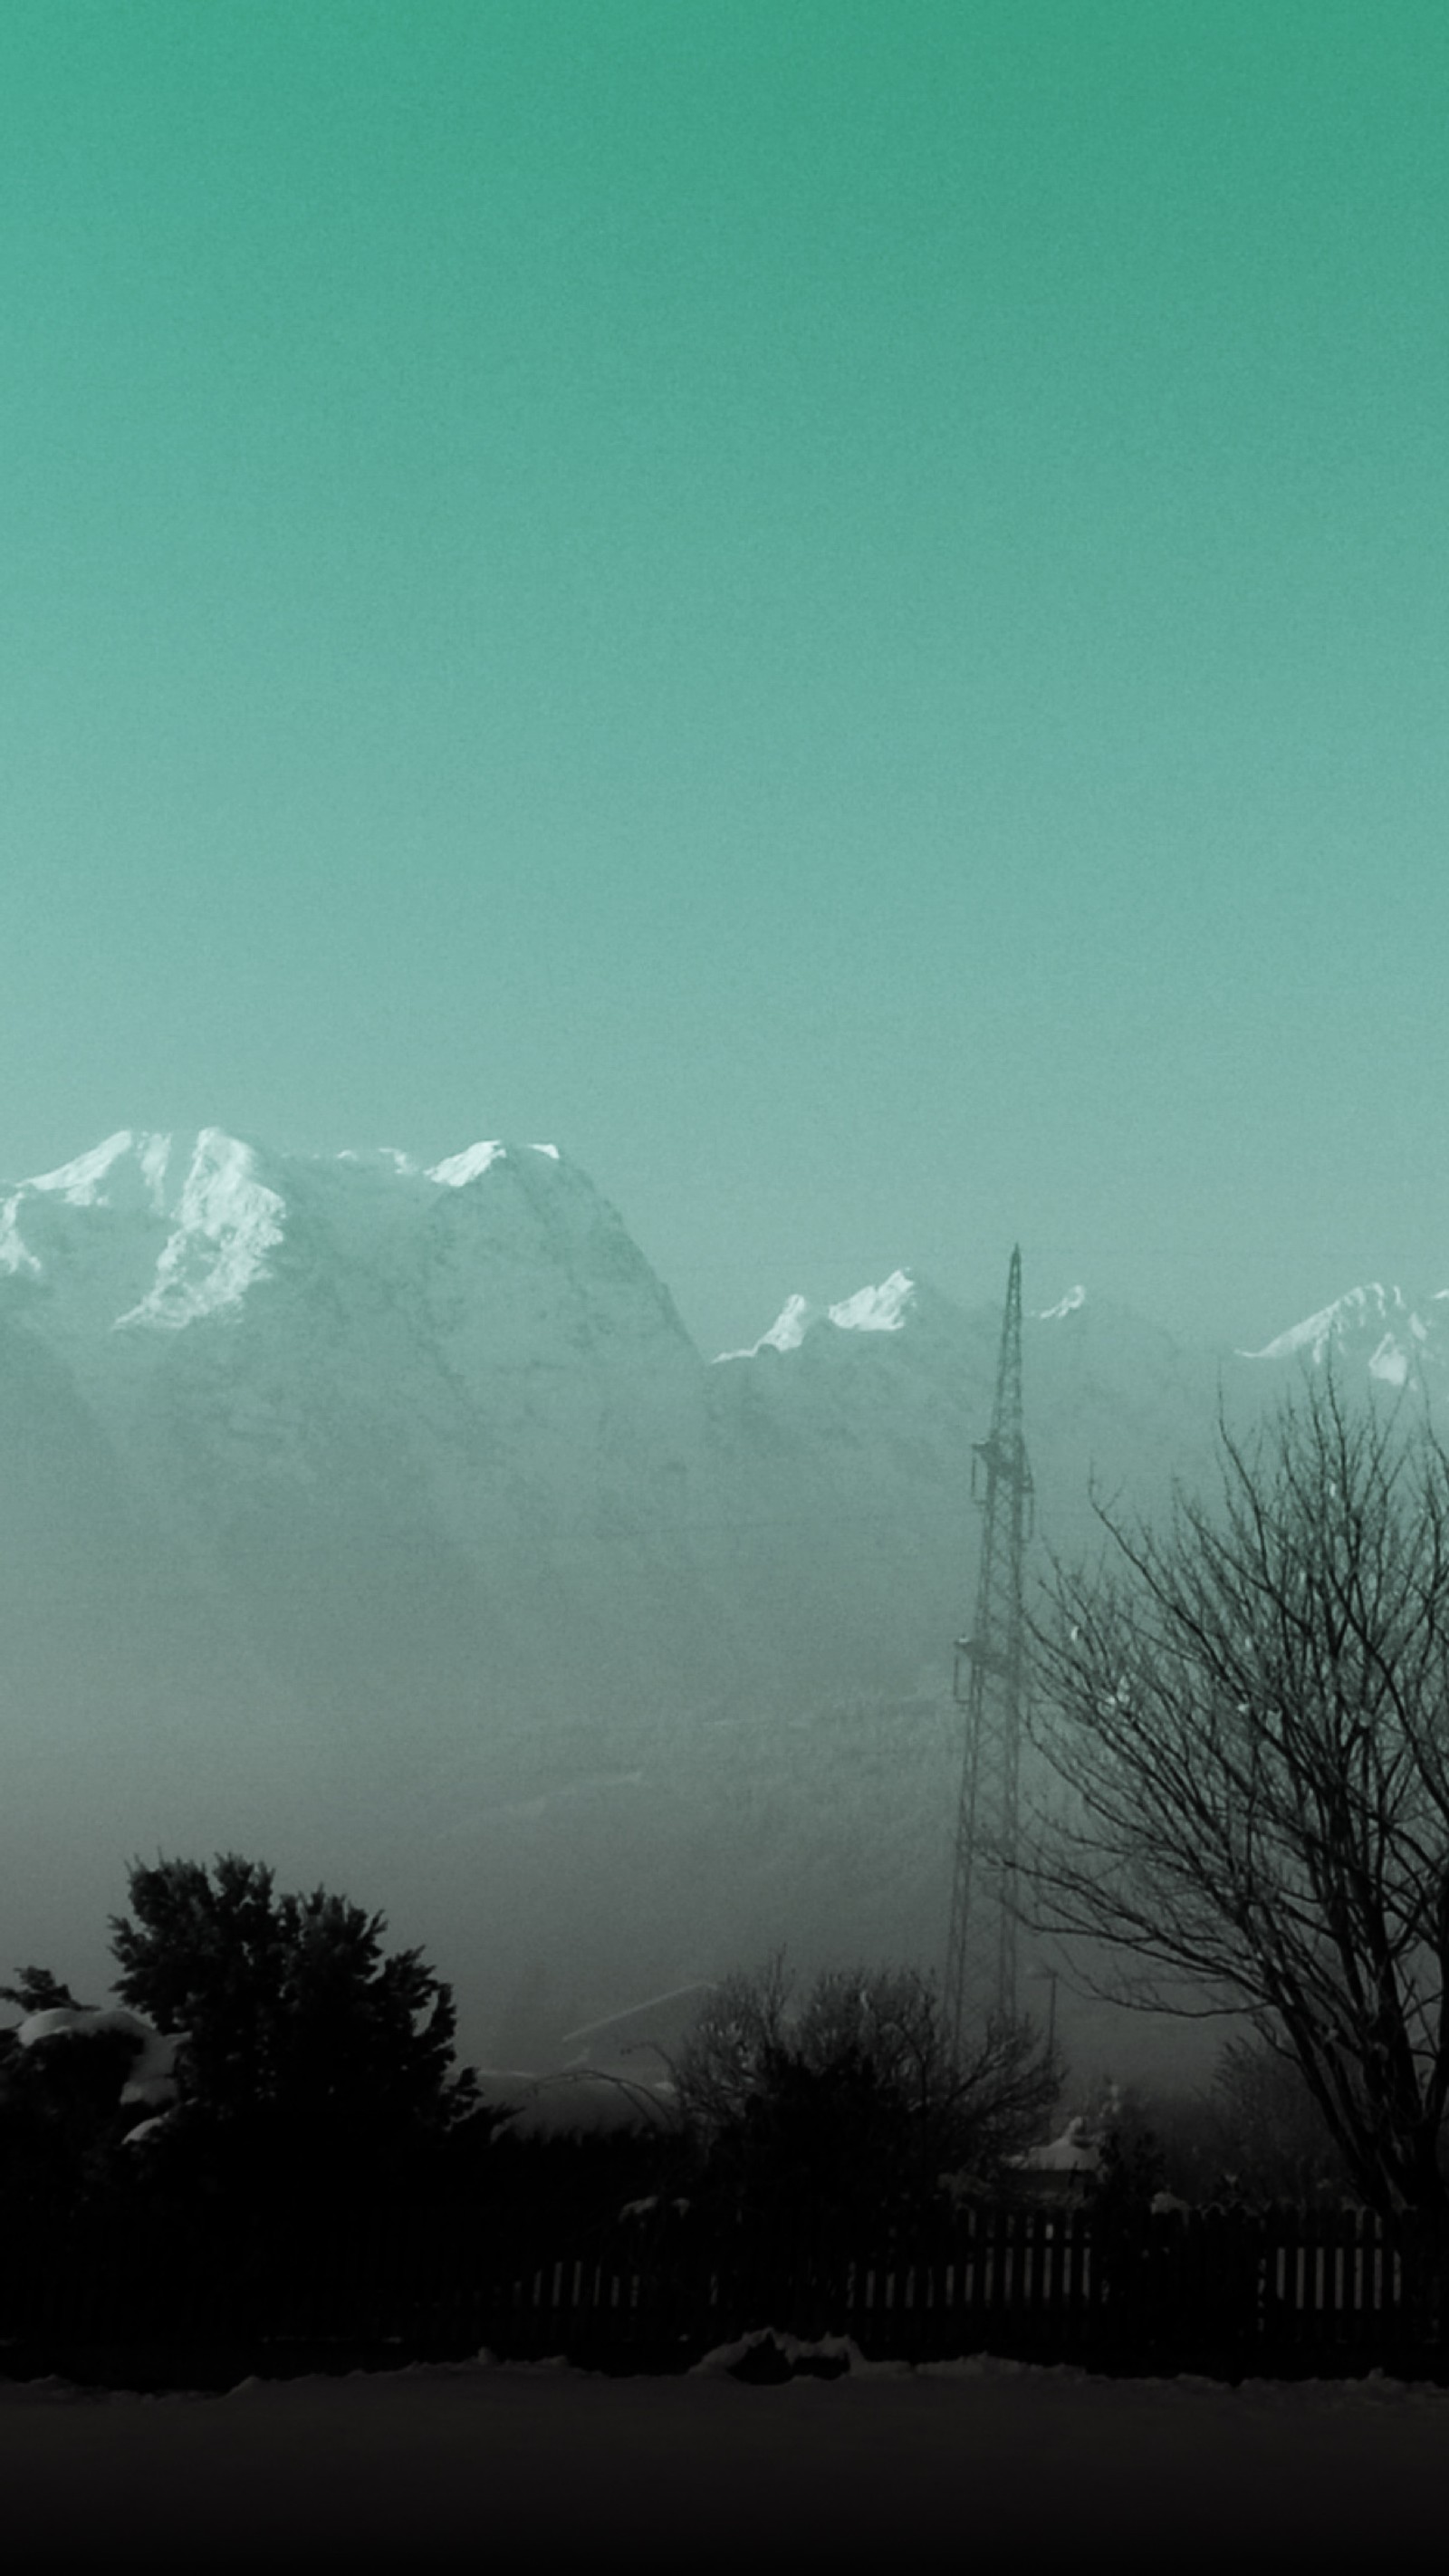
(866, 2470)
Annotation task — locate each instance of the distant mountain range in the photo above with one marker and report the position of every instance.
(1398, 1341)
(386, 1521)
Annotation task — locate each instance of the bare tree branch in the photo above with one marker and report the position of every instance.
(1245, 1720)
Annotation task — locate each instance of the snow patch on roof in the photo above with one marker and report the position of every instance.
(1075, 2151)
(575, 2099)
(153, 2068)
(226, 1222)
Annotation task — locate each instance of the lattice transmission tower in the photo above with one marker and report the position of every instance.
(990, 1688)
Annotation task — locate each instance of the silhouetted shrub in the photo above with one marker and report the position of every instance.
(842, 2117)
(313, 2059)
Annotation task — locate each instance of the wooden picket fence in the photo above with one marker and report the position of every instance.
(1279, 2292)
(1283, 2290)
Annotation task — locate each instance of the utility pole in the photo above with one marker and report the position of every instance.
(990, 1688)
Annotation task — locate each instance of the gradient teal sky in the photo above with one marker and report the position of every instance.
(843, 608)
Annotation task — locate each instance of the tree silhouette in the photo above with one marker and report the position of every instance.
(61, 2104)
(307, 2045)
(840, 2116)
(1247, 1719)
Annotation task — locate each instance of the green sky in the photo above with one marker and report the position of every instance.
(840, 605)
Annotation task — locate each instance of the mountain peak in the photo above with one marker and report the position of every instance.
(224, 1223)
(1402, 1333)
(881, 1309)
(167, 1233)
(876, 1310)
(459, 1169)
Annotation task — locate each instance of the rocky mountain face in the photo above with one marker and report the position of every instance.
(387, 1523)
(1397, 1341)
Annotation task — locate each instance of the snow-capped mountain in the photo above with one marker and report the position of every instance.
(870, 1310)
(411, 1436)
(384, 1519)
(1395, 1338)
(385, 1420)
(369, 1422)
(144, 1237)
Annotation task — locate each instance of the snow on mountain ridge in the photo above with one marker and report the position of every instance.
(457, 1170)
(876, 1310)
(786, 1333)
(225, 1220)
(81, 1183)
(438, 1512)
(226, 1223)
(881, 1309)
(1403, 1345)
(80, 1180)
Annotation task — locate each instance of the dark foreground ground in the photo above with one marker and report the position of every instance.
(451, 2467)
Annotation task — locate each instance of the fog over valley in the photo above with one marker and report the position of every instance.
(385, 1523)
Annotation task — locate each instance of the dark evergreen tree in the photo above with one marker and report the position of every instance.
(310, 2051)
(38, 1990)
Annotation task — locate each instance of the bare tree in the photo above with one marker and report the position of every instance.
(716, 2072)
(1247, 1724)
(1271, 2139)
(855, 2098)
